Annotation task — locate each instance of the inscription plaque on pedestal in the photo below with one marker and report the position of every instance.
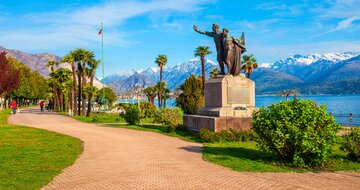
(238, 95)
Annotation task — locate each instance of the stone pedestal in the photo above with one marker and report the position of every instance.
(229, 103)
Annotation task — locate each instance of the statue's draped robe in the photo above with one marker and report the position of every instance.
(232, 55)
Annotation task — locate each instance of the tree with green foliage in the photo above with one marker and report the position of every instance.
(191, 98)
(60, 80)
(202, 51)
(297, 131)
(69, 59)
(150, 93)
(32, 85)
(249, 64)
(160, 86)
(110, 96)
(166, 95)
(93, 65)
(161, 61)
(351, 144)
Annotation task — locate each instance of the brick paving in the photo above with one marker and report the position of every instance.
(129, 159)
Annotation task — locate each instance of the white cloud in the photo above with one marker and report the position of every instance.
(344, 24)
(70, 28)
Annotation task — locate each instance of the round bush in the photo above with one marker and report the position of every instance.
(297, 131)
(132, 115)
(147, 109)
(351, 144)
(171, 117)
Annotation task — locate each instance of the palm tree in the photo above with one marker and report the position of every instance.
(166, 95)
(58, 79)
(51, 64)
(150, 93)
(82, 57)
(249, 64)
(214, 72)
(161, 61)
(202, 51)
(159, 88)
(69, 58)
(93, 64)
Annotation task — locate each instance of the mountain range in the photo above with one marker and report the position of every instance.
(329, 73)
(39, 61)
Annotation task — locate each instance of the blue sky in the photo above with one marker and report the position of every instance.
(135, 32)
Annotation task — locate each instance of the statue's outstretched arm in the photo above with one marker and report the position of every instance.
(198, 31)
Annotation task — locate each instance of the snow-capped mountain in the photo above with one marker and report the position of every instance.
(173, 76)
(300, 71)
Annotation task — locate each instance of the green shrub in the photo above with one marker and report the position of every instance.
(351, 144)
(147, 109)
(296, 131)
(132, 115)
(207, 136)
(191, 98)
(225, 136)
(171, 117)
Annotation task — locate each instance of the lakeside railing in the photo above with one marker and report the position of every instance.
(347, 119)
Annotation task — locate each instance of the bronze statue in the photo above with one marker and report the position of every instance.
(217, 35)
(229, 49)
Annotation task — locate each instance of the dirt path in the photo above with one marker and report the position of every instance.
(129, 159)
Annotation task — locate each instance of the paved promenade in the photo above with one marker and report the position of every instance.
(129, 159)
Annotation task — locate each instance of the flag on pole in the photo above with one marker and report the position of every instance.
(101, 28)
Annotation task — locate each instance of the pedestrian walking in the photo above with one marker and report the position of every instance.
(42, 103)
(14, 106)
(51, 106)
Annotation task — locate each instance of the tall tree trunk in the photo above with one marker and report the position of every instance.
(249, 75)
(57, 101)
(79, 90)
(160, 89)
(74, 88)
(83, 87)
(70, 102)
(164, 102)
(90, 95)
(203, 72)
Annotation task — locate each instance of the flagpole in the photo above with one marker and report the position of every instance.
(102, 60)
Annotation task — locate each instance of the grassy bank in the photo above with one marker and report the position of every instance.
(30, 158)
(107, 118)
(245, 156)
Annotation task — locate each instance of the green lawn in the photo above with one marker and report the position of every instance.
(184, 135)
(107, 118)
(30, 158)
(245, 156)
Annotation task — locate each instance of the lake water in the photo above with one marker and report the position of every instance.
(345, 108)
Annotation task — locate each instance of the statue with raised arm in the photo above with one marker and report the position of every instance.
(232, 50)
(217, 35)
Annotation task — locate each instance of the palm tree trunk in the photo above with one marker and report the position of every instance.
(74, 88)
(249, 75)
(70, 102)
(79, 94)
(203, 72)
(161, 74)
(83, 97)
(90, 95)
